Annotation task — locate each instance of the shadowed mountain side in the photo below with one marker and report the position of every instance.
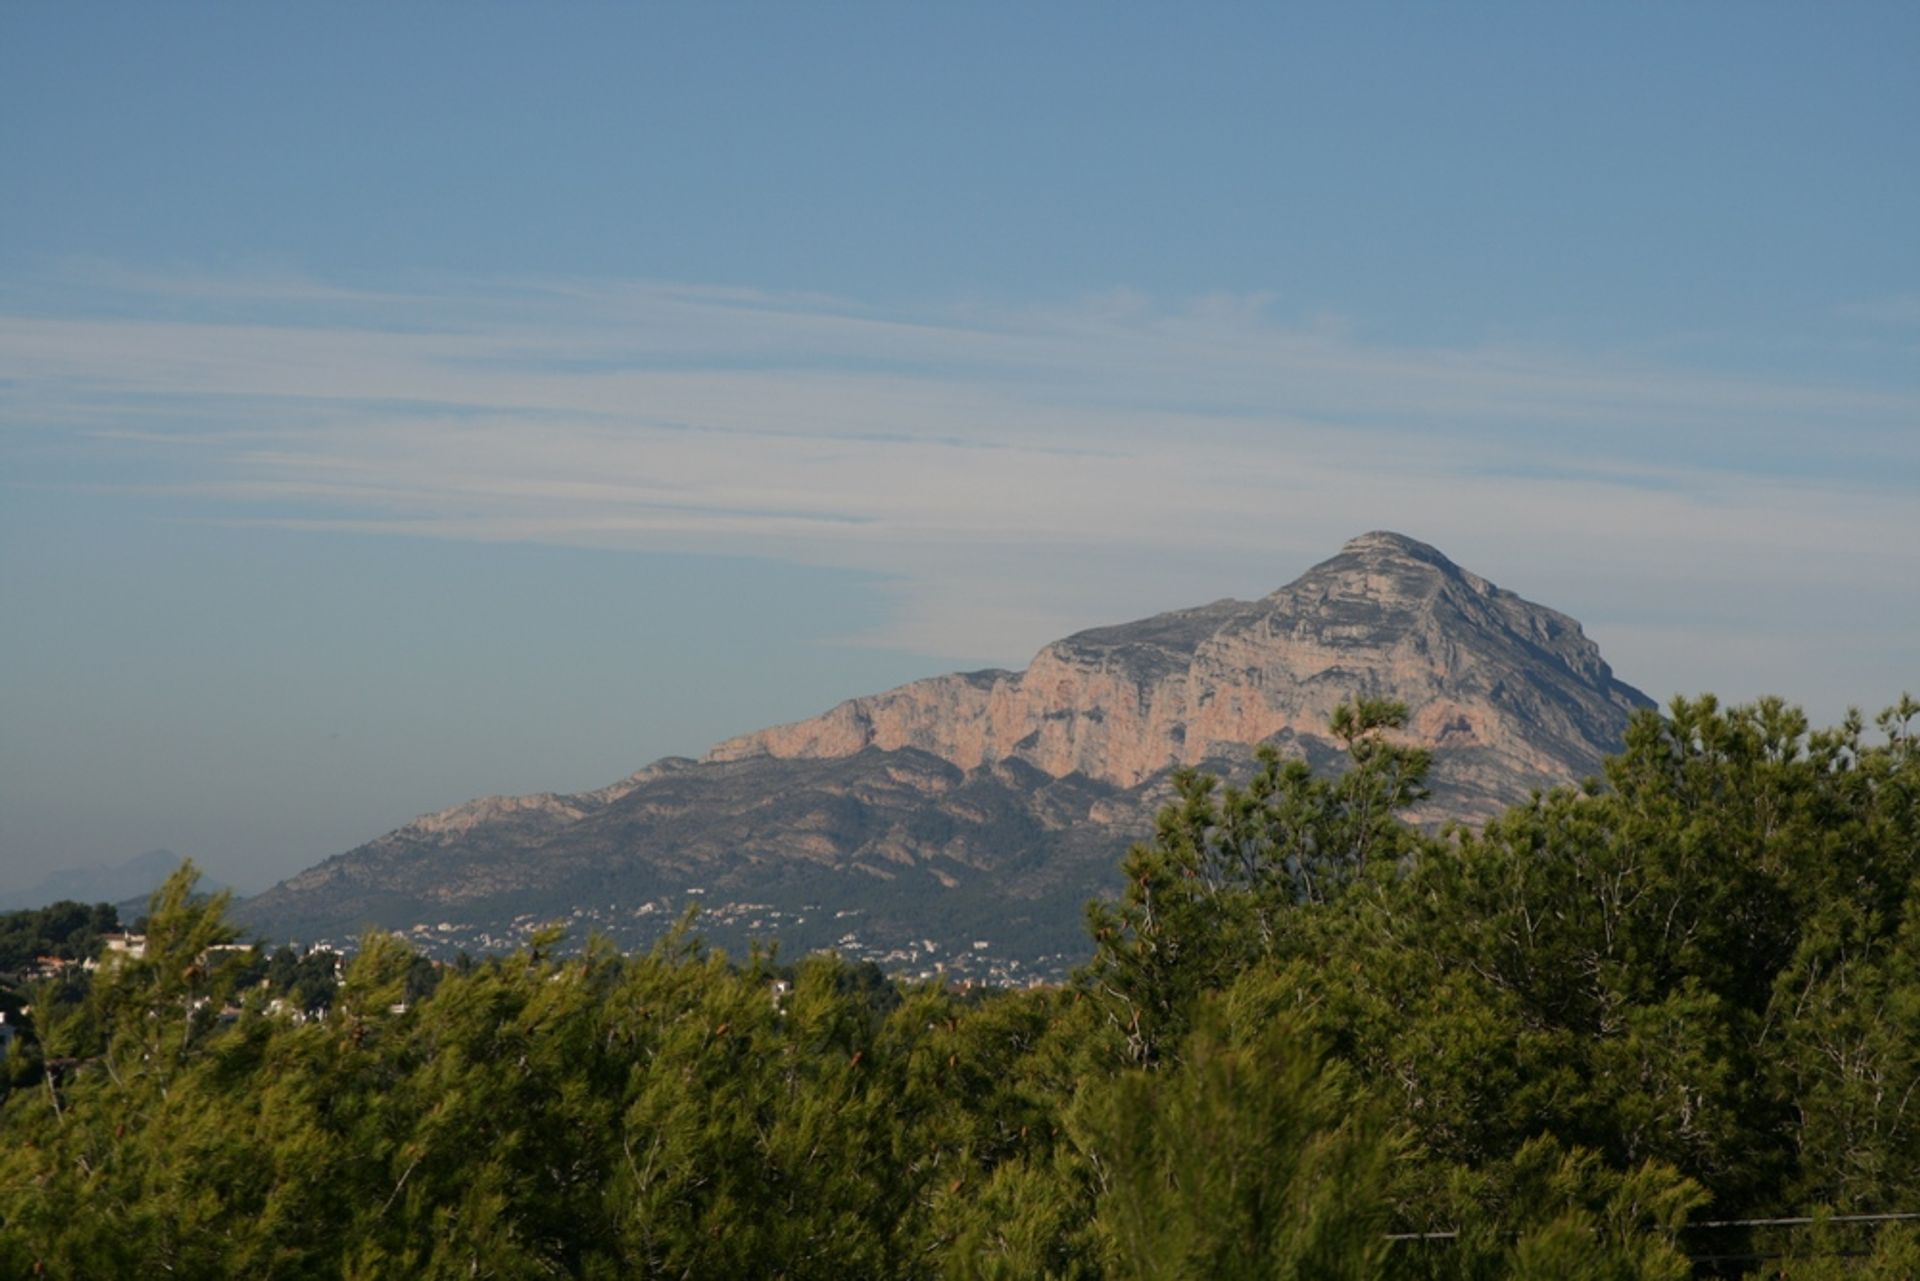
(891, 833)
(992, 804)
(126, 885)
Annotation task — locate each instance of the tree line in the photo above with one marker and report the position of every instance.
(1616, 1033)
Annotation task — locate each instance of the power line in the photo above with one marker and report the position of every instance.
(1799, 1221)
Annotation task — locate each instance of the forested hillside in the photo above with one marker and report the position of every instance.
(1595, 1039)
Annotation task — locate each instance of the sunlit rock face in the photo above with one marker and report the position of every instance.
(992, 805)
(1510, 694)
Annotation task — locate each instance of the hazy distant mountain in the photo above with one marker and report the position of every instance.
(986, 807)
(134, 879)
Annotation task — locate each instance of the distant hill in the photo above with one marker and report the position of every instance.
(128, 883)
(964, 820)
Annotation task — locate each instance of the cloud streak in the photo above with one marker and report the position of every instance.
(1013, 472)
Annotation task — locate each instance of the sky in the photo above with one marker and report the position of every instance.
(400, 404)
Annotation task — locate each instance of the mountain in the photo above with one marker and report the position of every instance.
(964, 820)
(130, 881)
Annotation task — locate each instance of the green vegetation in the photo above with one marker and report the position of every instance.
(43, 955)
(66, 930)
(1313, 1042)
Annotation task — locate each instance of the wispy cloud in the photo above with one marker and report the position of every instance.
(1013, 471)
(1895, 309)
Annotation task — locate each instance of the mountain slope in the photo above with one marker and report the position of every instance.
(964, 819)
(131, 881)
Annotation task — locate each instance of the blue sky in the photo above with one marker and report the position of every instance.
(399, 404)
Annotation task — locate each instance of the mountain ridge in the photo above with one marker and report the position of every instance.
(982, 800)
(1132, 673)
(122, 884)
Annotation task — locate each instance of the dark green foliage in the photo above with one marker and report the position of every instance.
(1236, 879)
(306, 981)
(1313, 1042)
(1255, 1157)
(68, 930)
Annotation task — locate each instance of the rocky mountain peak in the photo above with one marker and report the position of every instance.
(1480, 668)
(1386, 544)
(1386, 565)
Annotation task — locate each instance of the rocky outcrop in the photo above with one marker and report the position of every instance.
(1513, 694)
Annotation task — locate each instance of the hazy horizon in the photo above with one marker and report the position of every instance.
(398, 407)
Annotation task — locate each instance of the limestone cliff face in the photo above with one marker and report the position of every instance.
(1512, 692)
